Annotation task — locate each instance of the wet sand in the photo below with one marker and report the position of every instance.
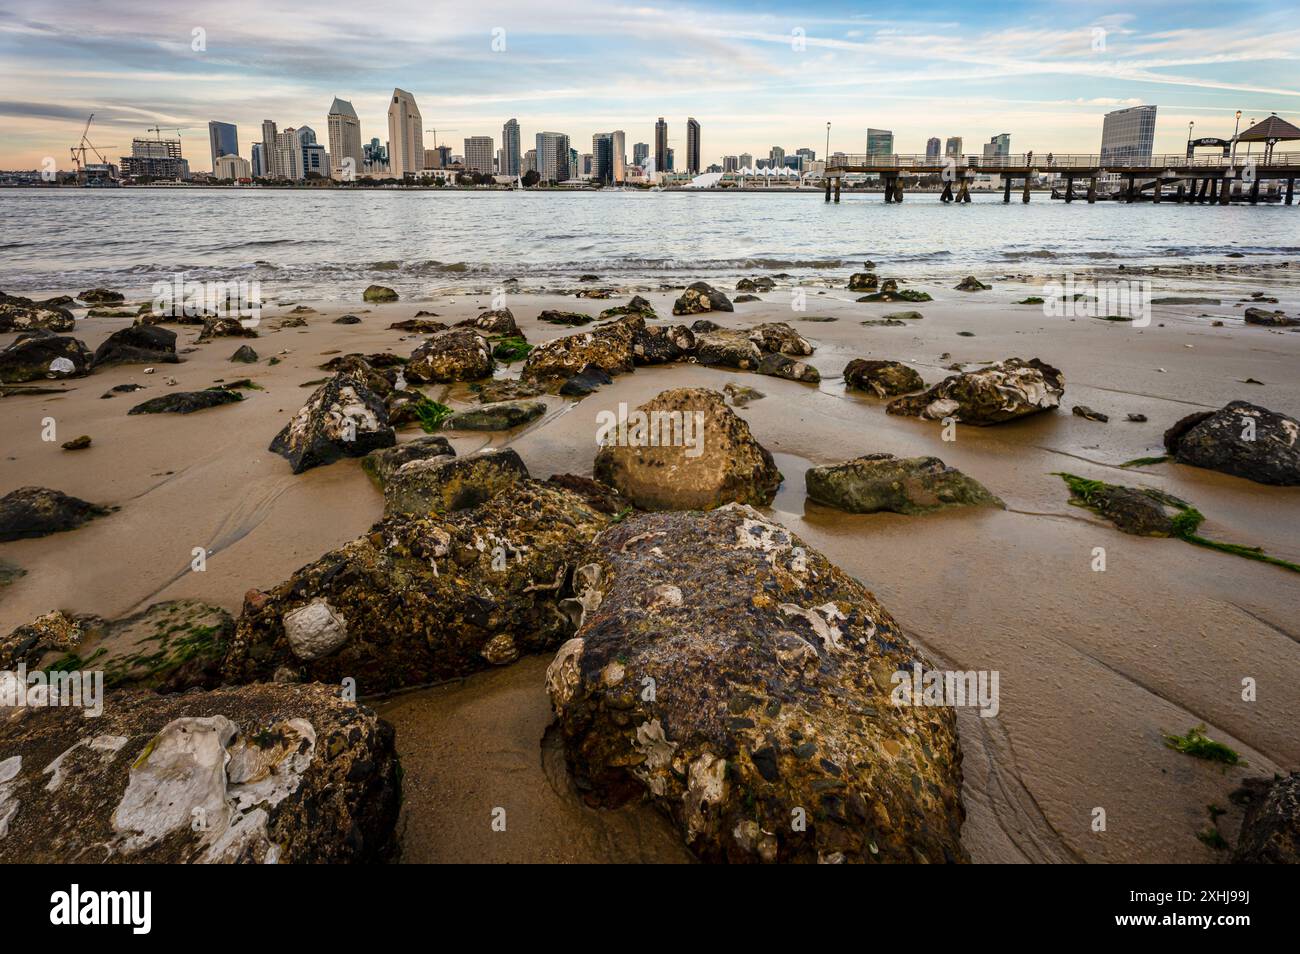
(1095, 667)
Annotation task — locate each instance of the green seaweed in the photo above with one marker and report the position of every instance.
(431, 414)
(1196, 744)
(1185, 523)
(1143, 461)
(1031, 300)
(510, 348)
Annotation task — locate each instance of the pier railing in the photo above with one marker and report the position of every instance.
(1061, 162)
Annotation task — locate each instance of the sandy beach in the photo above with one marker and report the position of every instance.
(1096, 667)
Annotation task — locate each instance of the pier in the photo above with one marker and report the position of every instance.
(1176, 178)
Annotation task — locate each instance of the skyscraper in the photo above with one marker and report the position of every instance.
(692, 147)
(998, 147)
(602, 157)
(952, 149)
(269, 168)
(224, 139)
(405, 136)
(287, 154)
(315, 160)
(640, 152)
(259, 163)
(510, 148)
(1128, 134)
(344, 139)
(880, 142)
(746, 160)
(478, 153)
(932, 149)
(661, 145)
(618, 147)
(553, 156)
(776, 157)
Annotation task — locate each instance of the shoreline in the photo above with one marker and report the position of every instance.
(1095, 667)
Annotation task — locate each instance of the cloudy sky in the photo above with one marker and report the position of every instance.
(755, 74)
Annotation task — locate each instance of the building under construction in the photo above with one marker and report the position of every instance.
(155, 159)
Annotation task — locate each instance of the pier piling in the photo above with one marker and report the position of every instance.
(1290, 190)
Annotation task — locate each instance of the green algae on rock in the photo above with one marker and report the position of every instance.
(732, 675)
(877, 482)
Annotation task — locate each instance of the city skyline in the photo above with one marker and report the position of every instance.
(749, 78)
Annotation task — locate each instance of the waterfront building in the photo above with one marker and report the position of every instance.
(155, 159)
(224, 140)
(745, 161)
(661, 145)
(478, 154)
(880, 142)
(232, 167)
(552, 156)
(1127, 135)
(405, 135)
(932, 149)
(269, 168)
(344, 130)
(258, 164)
(510, 148)
(640, 153)
(952, 148)
(692, 147)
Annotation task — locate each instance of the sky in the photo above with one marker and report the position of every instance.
(753, 74)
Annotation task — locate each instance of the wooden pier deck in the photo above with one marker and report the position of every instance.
(1197, 178)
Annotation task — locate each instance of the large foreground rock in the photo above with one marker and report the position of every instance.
(15, 316)
(258, 774)
(728, 349)
(138, 344)
(39, 355)
(424, 597)
(700, 297)
(342, 418)
(1270, 830)
(39, 511)
(460, 354)
(729, 673)
(1241, 439)
(685, 449)
(662, 344)
(911, 485)
(1000, 392)
(608, 346)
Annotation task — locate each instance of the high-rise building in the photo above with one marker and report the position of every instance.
(344, 139)
(807, 155)
(156, 159)
(880, 142)
(287, 155)
(315, 160)
(269, 169)
(692, 147)
(575, 167)
(529, 162)
(776, 157)
(640, 152)
(932, 146)
(510, 148)
(998, 147)
(746, 160)
(618, 146)
(478, 153)
(661, 145)
(730, 163)
(553, 156)
(405, 136)
(602, 154)
(672, 159)
(258, 165)
(1127, 135)
(224, 139)
(952, 149)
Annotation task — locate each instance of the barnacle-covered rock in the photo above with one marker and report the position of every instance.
(139, 344)
(250, 774)
(342, 418)
(424, 596)
(662, 344)
(909, 485)
(776, 337)
(39, 511)
(460, 354)
(700, 297)
(608, 346)
(736, 678)
(882, 378)
(1000, 392)
(38, 355)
